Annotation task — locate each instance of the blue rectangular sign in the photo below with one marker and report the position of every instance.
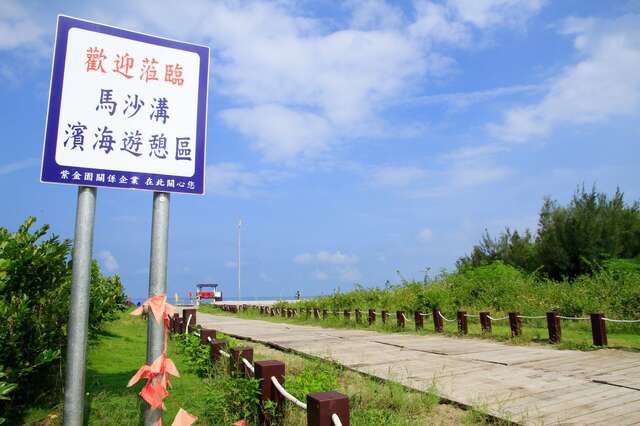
(126, 110)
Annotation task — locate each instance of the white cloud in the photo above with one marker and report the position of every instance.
(425, 235)
(17, 165)
(603, 84)
(18, 27)
(281, 133)
(485, 13)
(462, 100)
(325, 257)
(434, 22)
(108, 261)
(231, 179)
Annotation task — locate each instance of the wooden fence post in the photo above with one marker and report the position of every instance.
(176, 318)
(325, 314)
(283, 312)
(236, 366)
(322, 405)
(372, 316)
(385, 316)
(553, 325)
(205, 333)
(400, 319)
(268, 392)
(179, 326)
(599, 330)
(347, 315)
(462, 322)
(316, 313)
(515, 323)
(438, 325)
(358, 316)
(214, 349)
(485, 322)
(418, 318)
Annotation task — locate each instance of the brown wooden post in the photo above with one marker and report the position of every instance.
(185, 316)
(372, 316)
(462, 322)
(599, 330)
(289, 313)
(316, 313)
(418, 318)
(214, 349)
(553, 325)
(325, 314)
(438, 325)
(268, 392)
(205, 333)
(308, 311)
(179, 325)
(176, 317)
(236, 366)
(283, 312)
(385, 317)
(347, 315)
(322, 405)
(485, 322)
(358, 316)
(400, 318)
(515, 322)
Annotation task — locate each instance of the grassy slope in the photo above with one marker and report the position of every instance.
(575, 335)
(115, 356)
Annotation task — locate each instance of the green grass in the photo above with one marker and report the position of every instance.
(219, 399)
(113, 358)
(575, 334)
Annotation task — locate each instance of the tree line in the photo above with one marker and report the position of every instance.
(592, 231)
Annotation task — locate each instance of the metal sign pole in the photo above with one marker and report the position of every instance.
(79, 309)
(157, 285)
(239, 226)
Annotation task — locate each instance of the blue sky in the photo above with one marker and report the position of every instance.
(354, 139)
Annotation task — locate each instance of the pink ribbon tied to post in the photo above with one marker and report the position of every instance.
(159, 306)
(157, 374)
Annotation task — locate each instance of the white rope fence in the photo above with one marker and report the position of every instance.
(224, 354)
(574, 318)
(248, 365)
(186, 329)
(286, 394)
(336, 420)
(444, 318)
(532, 317)
(497, 319)
(196, 333)
(405, 318)
(619, 320)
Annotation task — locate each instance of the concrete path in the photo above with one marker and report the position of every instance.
(528, 385)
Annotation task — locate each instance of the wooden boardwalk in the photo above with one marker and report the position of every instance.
(528, 385)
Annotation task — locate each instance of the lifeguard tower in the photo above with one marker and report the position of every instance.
(212, 295)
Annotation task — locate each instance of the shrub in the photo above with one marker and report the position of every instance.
(35, 282)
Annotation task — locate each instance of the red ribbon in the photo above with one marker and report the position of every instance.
(157, 374)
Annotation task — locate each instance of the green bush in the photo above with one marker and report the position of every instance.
(35, 282)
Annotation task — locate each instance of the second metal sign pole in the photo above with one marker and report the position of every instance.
(157, 285)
